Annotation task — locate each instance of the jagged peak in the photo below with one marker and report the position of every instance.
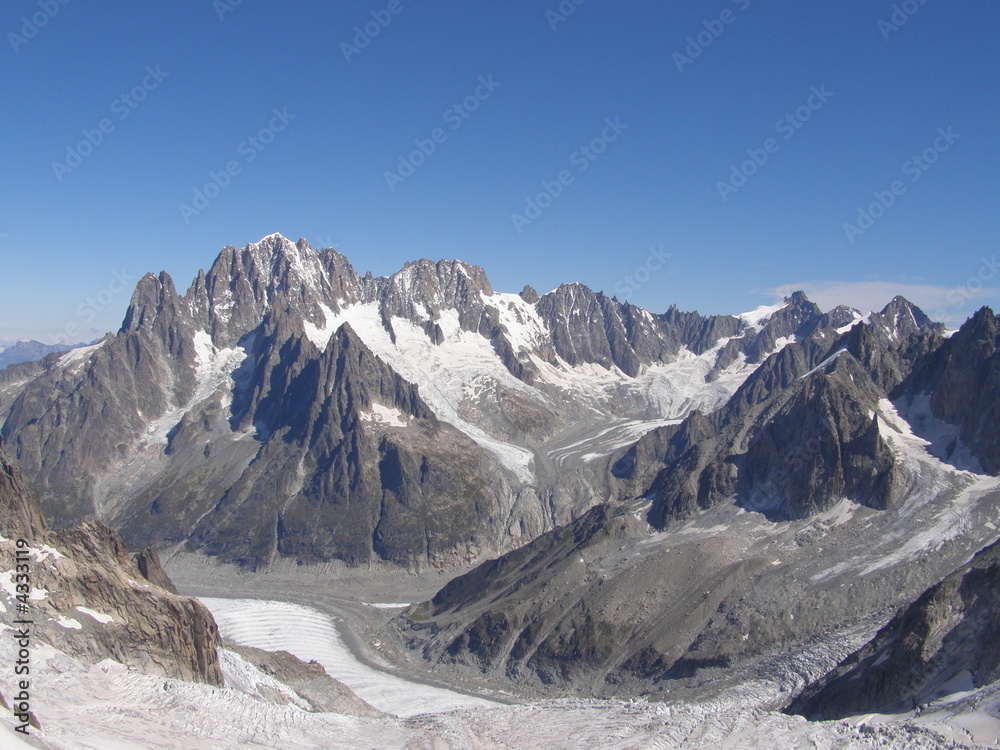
(898, 304)
(437, 282)
(902, 316)
(983, 314)
(271, 239)
(425, 265)
(151, 294)
(569, 292)
(981, 323)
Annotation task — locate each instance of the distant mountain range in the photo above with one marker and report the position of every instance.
(28, 351)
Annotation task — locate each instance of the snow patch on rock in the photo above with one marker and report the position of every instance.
(99, 616)
(213, 372)
(390, 417)
(69, 623)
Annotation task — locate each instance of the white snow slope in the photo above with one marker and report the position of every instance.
(110, 707)
(309, 634)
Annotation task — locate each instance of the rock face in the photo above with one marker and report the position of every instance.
(89, 600)
(148, 562)
(285, 406)
(19, 511)
(963, 378)
(798, 436)
(950, 630)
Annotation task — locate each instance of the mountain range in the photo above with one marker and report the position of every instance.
(28, 351)
(789, 507)
(287, 407)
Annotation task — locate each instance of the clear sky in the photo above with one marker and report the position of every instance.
(693, 91)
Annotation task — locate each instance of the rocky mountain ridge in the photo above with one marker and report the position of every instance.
(236, 406)
(29, 351)
(806, 506)
(947, 641)
(88, 598)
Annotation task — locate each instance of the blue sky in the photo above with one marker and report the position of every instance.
(78, 226)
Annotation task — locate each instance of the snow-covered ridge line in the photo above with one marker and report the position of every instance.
(78, 355)
(824, 363)
(754, 319)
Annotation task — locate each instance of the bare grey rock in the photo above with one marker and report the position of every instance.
(963, 378)
(310, 681)
(949, 630)
(89, 566)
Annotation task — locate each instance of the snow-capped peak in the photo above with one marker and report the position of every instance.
(759, 315)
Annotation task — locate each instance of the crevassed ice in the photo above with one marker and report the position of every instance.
(310, 634)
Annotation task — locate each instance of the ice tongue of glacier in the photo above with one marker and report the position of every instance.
(309, 634)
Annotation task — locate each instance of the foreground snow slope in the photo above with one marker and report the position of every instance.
(113, 708)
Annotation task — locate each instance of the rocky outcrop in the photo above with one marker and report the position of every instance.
(148, 562)
(951, 630)
(501, 614)
(310, 681)
(89, 600)
(20, 515)
(962, 377)
(799, 435)
(823, 445)
(330, 482)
